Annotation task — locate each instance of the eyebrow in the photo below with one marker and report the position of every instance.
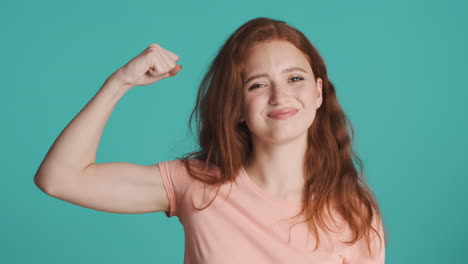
(284, 71)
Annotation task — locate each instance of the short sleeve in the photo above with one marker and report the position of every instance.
(176, 181)
(358, 253)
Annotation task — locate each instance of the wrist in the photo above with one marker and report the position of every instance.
(117, 84)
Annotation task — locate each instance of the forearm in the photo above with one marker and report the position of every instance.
(76, 146)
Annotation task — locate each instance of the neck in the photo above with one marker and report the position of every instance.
(278, 168)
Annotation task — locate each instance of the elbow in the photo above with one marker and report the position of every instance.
(40, 183)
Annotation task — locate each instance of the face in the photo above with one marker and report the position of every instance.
(277, 75)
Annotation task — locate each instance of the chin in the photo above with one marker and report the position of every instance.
(282, 137)
(281, 132)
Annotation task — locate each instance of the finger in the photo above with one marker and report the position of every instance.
(156, 72)
(165, 75)
(153, 73)
(173, 56)
(158, 75)
(170, 54)
(159, 66)
(169, 62)
(176, 69)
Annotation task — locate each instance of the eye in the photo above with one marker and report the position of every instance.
(254, 86)
(297, 77)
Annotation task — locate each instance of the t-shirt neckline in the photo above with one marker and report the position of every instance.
(265, 195)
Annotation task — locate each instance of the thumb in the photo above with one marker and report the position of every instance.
(176, 69)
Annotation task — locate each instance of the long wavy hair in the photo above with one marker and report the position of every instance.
(225, 144)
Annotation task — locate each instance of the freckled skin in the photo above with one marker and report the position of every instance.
(295, 89)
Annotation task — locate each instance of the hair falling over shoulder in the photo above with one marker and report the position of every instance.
(333, 181)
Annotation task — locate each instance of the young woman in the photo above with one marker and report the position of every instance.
(275, 163)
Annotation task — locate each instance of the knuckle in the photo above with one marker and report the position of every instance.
(157, 68)
(154, 45)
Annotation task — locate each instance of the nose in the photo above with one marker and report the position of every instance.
(278, 95)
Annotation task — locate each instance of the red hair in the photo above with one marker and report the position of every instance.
(225, 145)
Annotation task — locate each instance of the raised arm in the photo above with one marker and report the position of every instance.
(69, 170)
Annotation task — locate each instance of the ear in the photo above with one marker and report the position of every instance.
(319, 92)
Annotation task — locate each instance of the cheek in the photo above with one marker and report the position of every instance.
(308, 96)
(252, 105)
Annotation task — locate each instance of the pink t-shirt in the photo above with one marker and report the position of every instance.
(251, 225)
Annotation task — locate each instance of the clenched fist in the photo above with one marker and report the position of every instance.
(151, 65)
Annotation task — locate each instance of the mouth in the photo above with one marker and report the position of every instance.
(282, 114)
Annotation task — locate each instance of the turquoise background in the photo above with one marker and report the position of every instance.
(399, 67)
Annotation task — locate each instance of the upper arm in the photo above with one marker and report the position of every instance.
(116, 187)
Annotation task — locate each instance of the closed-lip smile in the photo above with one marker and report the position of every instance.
(282, 113)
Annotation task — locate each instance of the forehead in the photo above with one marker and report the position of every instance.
(263, 55)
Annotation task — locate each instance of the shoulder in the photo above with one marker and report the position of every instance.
(179, 170)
